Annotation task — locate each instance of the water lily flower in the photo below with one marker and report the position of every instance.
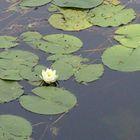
(49, 76)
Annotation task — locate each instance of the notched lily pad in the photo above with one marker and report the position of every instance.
(34, 3)
(32, 74)
(69, 65)
(10, 74)
(30, 36)
(9, 91)
(73, 60)
(110, 15)
(62, 43)
(77, 3)
(14, 128)
(13, 61)
(49, 101)
(89, 73)
(66, 65)
(70, 19)
(64, 70)
(129, 35)
(122, 58)
(54, 43)
(114, 2)
(8, 42)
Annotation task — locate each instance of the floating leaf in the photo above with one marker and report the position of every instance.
(110, 15)
(70, 19)
(122, 58)
(64, 70)
(69, 65)
(114, 2)
(33, 3)
(14, 128)
(32, 74)
(31, 36)
(38, 44)
(49, 101)
(8, 41)
(89, 73)
(53, 8)
(73, 60)
(13, 61)
(77, 3)
(54, 43)
(10, 74)
(129, 35)
(9, 91)
(62, 43)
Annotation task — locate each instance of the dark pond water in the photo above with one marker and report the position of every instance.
(108, 109)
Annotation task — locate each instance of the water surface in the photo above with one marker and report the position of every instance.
(107, 109)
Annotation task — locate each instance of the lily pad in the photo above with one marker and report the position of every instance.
(110, 15)
(114, 2)
(9, 91)
(62, 43)
(77, 3)
(14, 128)
(129, 35)
(10, 74)
(49, 101)
(32, 74)
(69, 65)
(122, 58)
(8, 42)
(34, 3)
(73, 60)
(89, 73)
(30, 36)
(64, 70)
(13, 61)
(70, 19)
(54, 43)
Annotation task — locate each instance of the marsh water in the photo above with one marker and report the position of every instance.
(108, 108)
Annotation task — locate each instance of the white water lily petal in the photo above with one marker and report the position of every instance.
(49, 76)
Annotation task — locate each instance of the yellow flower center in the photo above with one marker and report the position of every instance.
(49, 74)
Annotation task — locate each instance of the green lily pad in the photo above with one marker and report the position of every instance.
(114, 2)
(49, 101)
(110, 15)
(53, 8)
(32, 74)
(9, 91)
(70, 19)
(34, 39)
(64, 70)
(13, 61)
(77, 3)
(10, 74)
(14, 128)
(62, 43)
(89, 73)
(122, 58)
(129, 35)
(54, 43)
(30, 36)
(73, 60)
(8, 41)
(69, 65)
(34, 3)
